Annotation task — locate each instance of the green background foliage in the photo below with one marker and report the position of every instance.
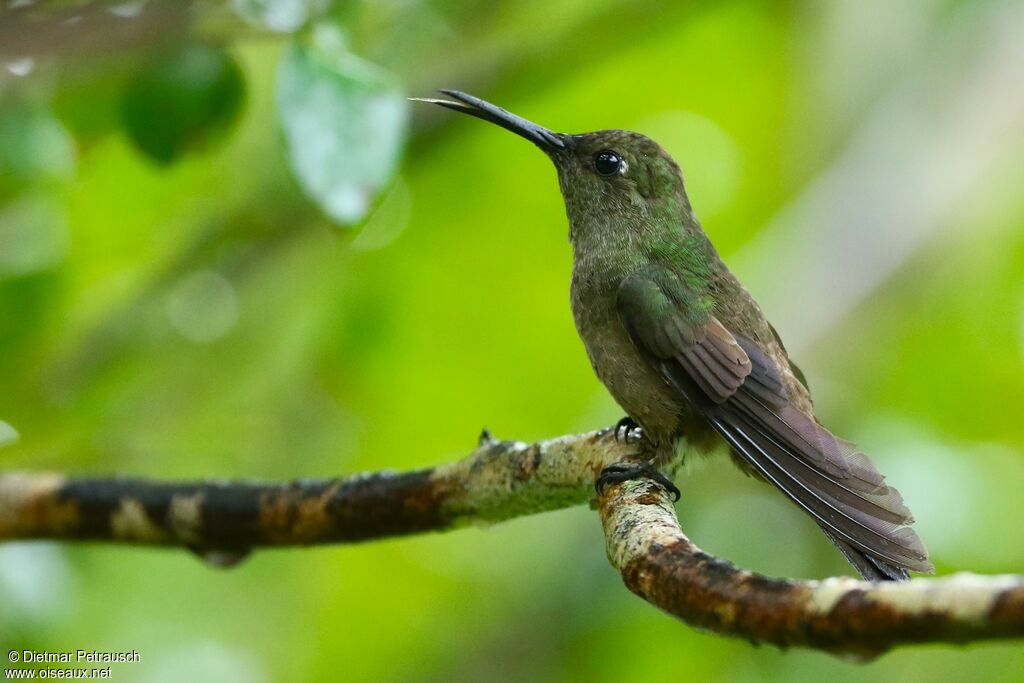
(177, 301)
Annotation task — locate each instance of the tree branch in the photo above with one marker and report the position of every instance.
(497, 481)
(500, 480)
(839, 615)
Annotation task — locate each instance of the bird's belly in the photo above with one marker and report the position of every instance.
(636, 386)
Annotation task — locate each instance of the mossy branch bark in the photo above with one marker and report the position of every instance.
(504, 479)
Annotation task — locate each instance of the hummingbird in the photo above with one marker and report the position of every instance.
(686, 351)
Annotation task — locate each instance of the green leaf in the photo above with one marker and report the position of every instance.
(182, 100)
(344, 123)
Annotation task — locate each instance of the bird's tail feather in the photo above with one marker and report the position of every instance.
(869, 567)
(864, 517)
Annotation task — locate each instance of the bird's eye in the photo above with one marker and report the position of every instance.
(608, 163)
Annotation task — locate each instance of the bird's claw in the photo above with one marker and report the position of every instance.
(625, 430)
(616, 474)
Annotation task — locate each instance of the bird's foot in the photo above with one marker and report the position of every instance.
(625, 430)
(616, 474)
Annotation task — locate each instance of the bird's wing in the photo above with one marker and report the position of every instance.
(741, 391)
(797, 372)
(669, 321)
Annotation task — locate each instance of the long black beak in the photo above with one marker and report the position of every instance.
(474, 106)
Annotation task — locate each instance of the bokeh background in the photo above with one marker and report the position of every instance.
(189, 288)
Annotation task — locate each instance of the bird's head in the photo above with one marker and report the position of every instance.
(612, 178)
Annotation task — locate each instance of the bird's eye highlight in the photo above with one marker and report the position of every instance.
(608, 163)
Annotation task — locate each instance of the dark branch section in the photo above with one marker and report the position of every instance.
(229, 515)
(232, 514)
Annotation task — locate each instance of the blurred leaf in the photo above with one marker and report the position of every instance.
(33, 236)
(33, 145)
(182, 100)
(344, 123)
(282, 16)
(8, 434)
